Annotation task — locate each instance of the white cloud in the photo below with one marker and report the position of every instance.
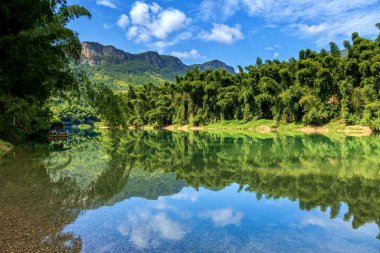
(323, 20)
(160, 45)
(155, 8)
(166, 22)
(152, 24)
(305, 9)
(271, 48)
(159, 23)
(138, 34)
(107, 3)
(223, 217)
(107, 26)
(123, 21)
(276, 55)
(192, 54)
(223, 33)
(313, 29)
(255, 6)
(218, 10)
(140, 13)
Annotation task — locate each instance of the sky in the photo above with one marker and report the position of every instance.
(233, 31)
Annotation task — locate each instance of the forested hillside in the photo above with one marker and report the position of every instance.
(315, 89)
(118, 69)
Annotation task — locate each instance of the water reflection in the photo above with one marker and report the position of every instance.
(33, 209)
(57, 199)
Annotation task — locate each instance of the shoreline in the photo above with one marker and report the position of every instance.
(270, 127)
(266, 127)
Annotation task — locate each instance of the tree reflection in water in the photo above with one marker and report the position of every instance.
(43, 190)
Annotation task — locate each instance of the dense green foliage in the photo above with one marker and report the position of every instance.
(129, 72)
(315, 89)
(35, 49)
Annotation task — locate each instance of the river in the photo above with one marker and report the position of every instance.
(161, 191)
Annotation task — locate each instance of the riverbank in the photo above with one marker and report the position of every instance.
(5, 147)
(267, 126)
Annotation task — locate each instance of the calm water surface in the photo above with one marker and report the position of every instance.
(192, 192)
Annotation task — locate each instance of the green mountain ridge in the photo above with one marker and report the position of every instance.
(119, 69)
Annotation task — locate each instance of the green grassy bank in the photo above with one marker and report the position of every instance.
(266, 126)
(5, 147)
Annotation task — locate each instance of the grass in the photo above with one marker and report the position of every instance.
(100, 125)
(239, 124)
(84, 126)
(5, 147)
(265, 126)
(254, 125)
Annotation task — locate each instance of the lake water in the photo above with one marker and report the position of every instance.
(162, 191)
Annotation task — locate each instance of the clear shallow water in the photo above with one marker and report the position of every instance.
(192, 192)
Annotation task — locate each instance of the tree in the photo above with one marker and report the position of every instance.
(36, 49)
(315, 89)
(347, 45)
(334, 49)
(302, 55)
(354, 36)
(323, 53)
(259, 62)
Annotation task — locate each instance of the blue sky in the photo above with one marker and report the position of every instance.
(234, 31)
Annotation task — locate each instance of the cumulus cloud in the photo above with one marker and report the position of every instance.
(223, 217)
(107, 3)
(276, 55)
(168, 21)
(152, 22)
(123, 21)
(223, 33)
(140, 13)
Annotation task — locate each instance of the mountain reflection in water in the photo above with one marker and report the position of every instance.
(169, 191)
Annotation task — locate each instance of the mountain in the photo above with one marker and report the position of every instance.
(215, 64)
(119, 68)
(94, 53)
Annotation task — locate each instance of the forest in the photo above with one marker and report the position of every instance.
(39, 83)
(314, 89)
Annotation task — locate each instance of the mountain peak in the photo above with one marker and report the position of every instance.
(216, 64)
(166, 67)
(93, 52)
